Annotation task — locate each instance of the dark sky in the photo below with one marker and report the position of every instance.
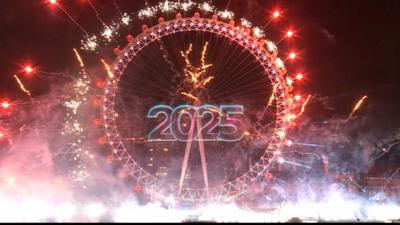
(348, 48)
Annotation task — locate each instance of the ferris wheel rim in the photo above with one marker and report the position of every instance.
(264, 57)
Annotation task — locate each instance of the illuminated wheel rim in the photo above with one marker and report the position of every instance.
(266, 58)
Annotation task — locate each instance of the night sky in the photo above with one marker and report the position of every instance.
(347, 48)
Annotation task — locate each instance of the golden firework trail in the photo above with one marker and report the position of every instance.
(196, 73)
(107, 68)
(358, 105)
(272, 98)
(79, 58)
(303, 107)
(203, 54)
(216, 110)
(190, 96)
(22, 87)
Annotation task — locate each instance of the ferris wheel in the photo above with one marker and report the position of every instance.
(196, 107)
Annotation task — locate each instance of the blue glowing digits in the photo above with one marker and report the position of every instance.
(183, 123)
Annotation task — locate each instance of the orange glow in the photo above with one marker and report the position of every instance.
(97, 121)
(358, 105)
(100, 83)
(1, 135)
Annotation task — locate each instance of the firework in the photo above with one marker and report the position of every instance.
(303, 106)
(358, 105)
(89, 43)
(22, 87)
(5, 104)
(190, 96)
(272, 98)
(55, 3)
(78, 57)
(107, 68)
(227, 15)
(292, 55)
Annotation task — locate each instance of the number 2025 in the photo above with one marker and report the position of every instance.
(197, 123)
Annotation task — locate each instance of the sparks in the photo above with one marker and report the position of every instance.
(226, 14)
(207, 7)
(245, 23)
(358, 105)
(89, 43)
(107, 68)
(107, 33)
(271, 46)
(258, 32)
(196, 74)
(126, 19)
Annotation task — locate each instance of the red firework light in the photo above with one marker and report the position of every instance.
(5, 104)
(276, 14)
(299, 76)
(292, 55)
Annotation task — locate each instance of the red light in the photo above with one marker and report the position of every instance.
(101, 141)
(299, 76)
(276, 14)
(28, 69)
(292, 55)
(1, 135)
(97, 122)
(100, 83)
(138, 188)
(53, 2)
(5, 105)
(289, 34)
(297, 97)
(110, 158)
(269, 175)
